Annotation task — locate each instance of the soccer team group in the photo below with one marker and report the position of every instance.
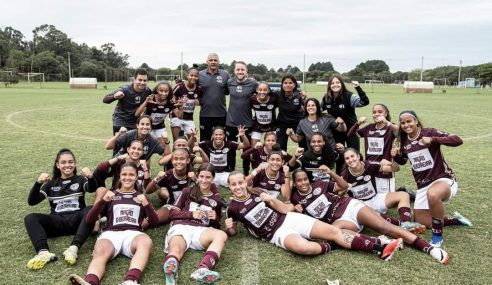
(309, 202)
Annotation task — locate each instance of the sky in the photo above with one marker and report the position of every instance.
(275, 33)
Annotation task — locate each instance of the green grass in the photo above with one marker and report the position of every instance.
(39, 121)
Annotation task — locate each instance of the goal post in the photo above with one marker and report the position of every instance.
(32, 76)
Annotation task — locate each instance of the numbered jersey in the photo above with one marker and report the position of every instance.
(378, 143)
(428, 163)
(264, 118)
(363, 184)
(124, 212)
(320, 202)
(259, 219)
(66, 195)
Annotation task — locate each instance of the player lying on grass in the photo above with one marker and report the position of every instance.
(272, 220)
(318, 200)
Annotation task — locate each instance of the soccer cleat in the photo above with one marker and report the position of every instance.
(437, 241)
(386, 240)
(170, 268)
(41, 259)
(390, 249)
(462, 220)
(70, 255)
(205, 276)
(413, 227)
(440, 254)
(77, 280)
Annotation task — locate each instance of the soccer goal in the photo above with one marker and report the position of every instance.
(373, 81)
(167, 77)
(32, 77)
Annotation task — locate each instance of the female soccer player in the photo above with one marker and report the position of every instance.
(436, 182)
(65, 191)
(378, 139)
(125, 208)
(319, 200)
(339, 102)
(272, 177)
(158, 106)
(361, 175)
(199, 230)
(316, 122)
(264, 106)
(190, 95)
(258, 154)
(269, 219)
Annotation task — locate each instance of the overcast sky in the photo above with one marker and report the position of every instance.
(276, 33)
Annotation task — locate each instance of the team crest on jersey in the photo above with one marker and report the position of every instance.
(243, 210)
(315, 128)
(319, 158)
(225, 150)
(257, 199)
(74, 186)
(66, 182)
(138, 99)
(212, 203)
(277, 186)
(239, 88)
(367, 178)
(341, 106)
(127, 196)
(263, 183)
(270, 106)
(257, 106)
(166, 110)
(328, 106)
(317, 191)
(219, 79)
(146, 149)
(296, 101)
(248, 202)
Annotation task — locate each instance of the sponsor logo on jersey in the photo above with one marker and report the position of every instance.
(367, 178)
(243, 210)
(212, 203)
(126, 196)
(66, 181)
(248, 202)
(309, 196)
(341, 106)
(225, 150)
(74, 186)
(271, 182)
(317, 191)
(256, 106)
(359, 178)
(56, 188)
(182, 182)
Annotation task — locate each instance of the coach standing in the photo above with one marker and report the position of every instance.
(129, 98)
(213, 83)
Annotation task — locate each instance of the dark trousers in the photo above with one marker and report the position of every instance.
(353, 142)
(41, 226)
(231, 133)
(207, 124)
(283, 139)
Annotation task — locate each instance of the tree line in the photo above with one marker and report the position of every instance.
(50, 50)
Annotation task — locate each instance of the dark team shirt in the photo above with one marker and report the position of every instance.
(256, 216)
(158, 113)
(105, 170)
(151, 145)
(220, 157)
(364, 184)
(272, 185)
(181, 91)
(378, 143)
(239, 112)
(214, 89)
(124, 112)
(264, 118)
(124, 212)
(309, 159)
(290, 110)
(258, 155)
(428, 162)
(321, 203)
(344, 105)
(174, 184)
(210, 202)
(325, 124)
(64, 195)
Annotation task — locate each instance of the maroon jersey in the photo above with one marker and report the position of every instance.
(256, 216)
(219, 157)
(363, 184)
(210, 202)
(428, 163)
(259, 155)
(125, 213)
(105, 170)
(181, 91)
(158, 113)
(192, 157)
(272, 185)
(320, 202)
(174, 184)
(264, 114)
(378, 143)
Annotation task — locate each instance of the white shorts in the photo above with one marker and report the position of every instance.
(294, 223)
(350, 214)
(385, 184)
(221, 178)
(158, 133)
(121, 240)
(191, 235)
(378, 203)
(187, 125)
(256, 135)
(421, 202)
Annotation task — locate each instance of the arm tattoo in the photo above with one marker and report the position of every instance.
(347, 237)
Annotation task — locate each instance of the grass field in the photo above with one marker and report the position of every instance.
(37, 122)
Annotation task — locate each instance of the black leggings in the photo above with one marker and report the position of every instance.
(41, 226)
(231, 133)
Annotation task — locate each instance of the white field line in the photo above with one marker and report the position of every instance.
(9, 120)
(249, 263)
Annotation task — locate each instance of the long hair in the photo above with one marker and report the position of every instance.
(56, 173)
(195, 193)
(330, 96)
